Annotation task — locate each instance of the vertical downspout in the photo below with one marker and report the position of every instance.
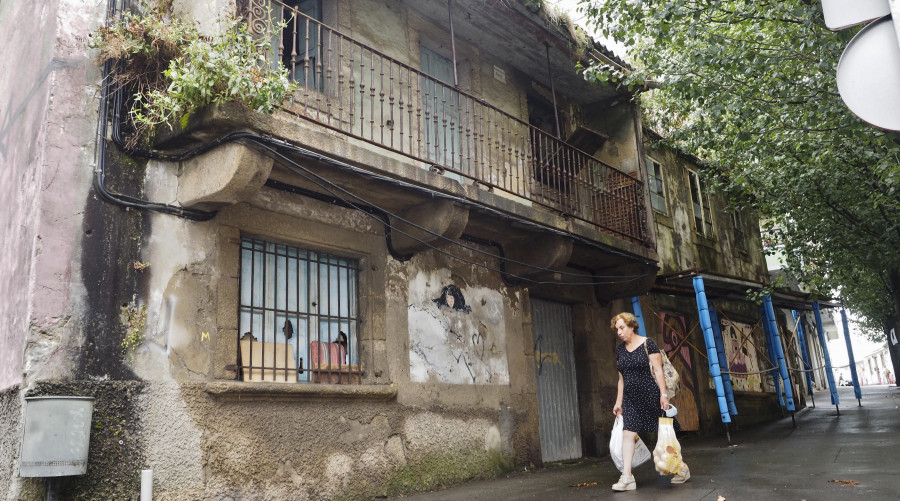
(452, 42)
(553, 92)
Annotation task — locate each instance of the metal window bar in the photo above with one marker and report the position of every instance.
(297, 305)
(350, 87)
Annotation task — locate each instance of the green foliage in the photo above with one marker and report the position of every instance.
(750, 88)
(175, 71)
(135, 317)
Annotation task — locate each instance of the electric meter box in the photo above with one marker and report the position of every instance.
(57, 436)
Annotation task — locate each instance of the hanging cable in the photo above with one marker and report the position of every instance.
(269, 144)
(331, 188)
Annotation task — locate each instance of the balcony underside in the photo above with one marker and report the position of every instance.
(423, 207)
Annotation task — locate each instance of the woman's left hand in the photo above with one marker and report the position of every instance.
(664, 403)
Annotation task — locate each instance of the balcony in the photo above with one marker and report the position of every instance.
(362, 93)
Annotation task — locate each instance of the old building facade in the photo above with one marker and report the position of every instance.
(400, 279)
(700, 236)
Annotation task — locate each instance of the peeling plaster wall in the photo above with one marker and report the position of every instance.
(300, 448)
(461, 343)
(48, 86)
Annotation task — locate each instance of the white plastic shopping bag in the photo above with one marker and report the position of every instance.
(641, 452)
(667, 453)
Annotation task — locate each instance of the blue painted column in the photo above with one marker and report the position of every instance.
(779, 351)
(706, 327)
(829, 373)
(801, 337)
(853, 375)
(636, 308)
(770, 347)
(723, 360)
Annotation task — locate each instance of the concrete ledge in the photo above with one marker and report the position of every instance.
(437, 216)
(230, 174)
(241, 391)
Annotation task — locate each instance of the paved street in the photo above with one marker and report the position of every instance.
(768, 462)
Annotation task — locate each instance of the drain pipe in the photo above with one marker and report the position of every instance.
(146, 485)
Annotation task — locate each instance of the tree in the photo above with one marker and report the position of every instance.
(749, 86)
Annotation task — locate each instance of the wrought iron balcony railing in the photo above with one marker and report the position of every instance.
(350, 87)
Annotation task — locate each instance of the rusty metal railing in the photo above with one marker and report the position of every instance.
(353, 88)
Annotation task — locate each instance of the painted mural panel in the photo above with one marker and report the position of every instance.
(674, 329)
(741, 355)
(456, 333)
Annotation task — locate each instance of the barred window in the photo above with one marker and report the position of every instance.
(298, 315)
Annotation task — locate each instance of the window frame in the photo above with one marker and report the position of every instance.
(702, 224)
(656, 178)
(302, 67)
(264, 306)
(737, 223)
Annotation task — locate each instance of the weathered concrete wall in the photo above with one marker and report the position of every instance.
(681, 247)
(622, 150)
(48, 85)
(171, 404)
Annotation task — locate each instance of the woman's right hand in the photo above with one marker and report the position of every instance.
(617, 409)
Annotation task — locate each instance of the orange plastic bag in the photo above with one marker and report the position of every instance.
(667, 453)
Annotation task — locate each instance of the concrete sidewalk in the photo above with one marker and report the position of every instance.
(772, 461)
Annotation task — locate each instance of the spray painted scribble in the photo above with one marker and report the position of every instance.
(451, 341)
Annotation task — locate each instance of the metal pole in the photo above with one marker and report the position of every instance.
(853, 374)
(779, 352)
(712, 356)
(553, 92)
(723, 360)
(452, 42)
(801, 340)
(828, 371)
(636, 308)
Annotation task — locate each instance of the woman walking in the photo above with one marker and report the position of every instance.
(641, 396)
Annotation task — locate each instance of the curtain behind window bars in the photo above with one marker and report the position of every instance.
(298, 315)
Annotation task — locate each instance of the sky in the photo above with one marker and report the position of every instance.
(581, 20)
(862, 346)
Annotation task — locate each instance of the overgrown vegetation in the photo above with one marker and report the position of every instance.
(135, 317)
(173, 71)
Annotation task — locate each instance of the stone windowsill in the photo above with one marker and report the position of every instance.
(238, 390)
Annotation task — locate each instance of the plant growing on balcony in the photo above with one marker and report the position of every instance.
(174, 71)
